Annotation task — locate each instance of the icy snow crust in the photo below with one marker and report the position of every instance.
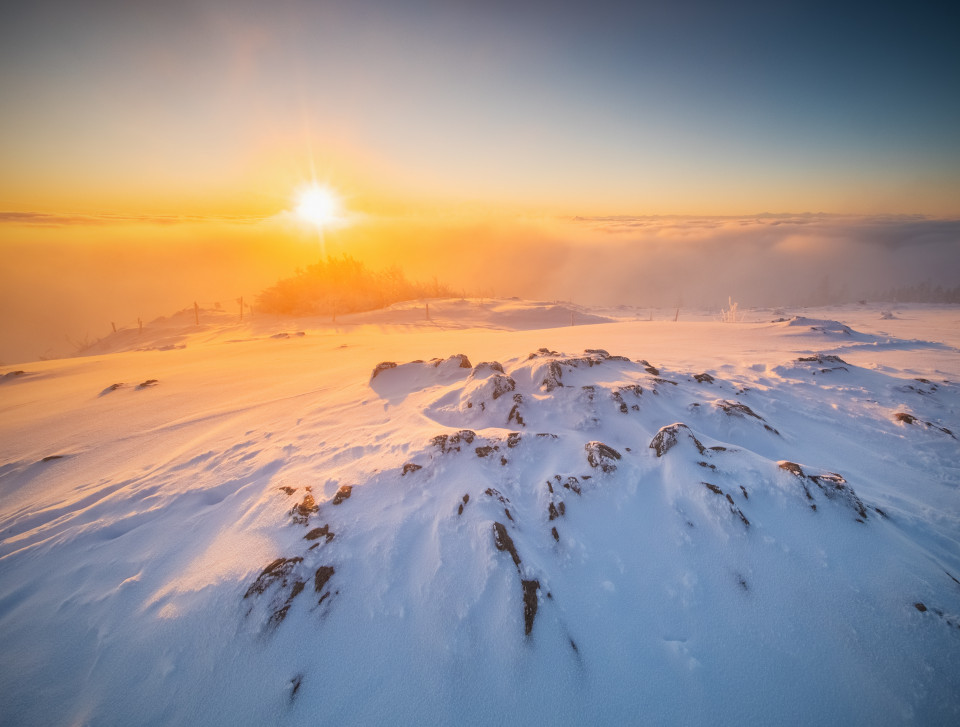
(698, 523)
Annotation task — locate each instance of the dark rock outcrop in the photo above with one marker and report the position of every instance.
(503, 541)
(302, 511)
(530, 604)
(381, 367)
(278, 571)
(602, 456)
(668, 437)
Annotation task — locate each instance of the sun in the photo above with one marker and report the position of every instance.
(319, 206)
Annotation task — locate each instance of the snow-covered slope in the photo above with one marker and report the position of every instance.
(480, 518)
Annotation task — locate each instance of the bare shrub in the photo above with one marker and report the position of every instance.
(337, 285)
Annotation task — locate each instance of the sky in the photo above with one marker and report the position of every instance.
(569, 108)
(183, 129)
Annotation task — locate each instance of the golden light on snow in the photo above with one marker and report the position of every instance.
(318, 205)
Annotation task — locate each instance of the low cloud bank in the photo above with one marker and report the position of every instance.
(66, 278)
(690, 261)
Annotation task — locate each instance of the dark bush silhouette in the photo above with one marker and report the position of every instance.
(343, 285)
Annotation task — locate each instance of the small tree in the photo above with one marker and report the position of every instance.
(730, 314)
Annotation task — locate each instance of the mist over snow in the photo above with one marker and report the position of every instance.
(765, 260)
(60, 292)
(478, 513)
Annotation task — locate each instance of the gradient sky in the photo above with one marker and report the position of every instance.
(223, 108)
(150, 152)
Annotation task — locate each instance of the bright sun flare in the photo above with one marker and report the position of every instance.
(319, 206)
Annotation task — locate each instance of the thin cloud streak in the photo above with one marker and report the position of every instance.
(66, 219)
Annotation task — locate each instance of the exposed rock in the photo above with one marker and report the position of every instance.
(288, 490)
(280, 613)
(342, 494)
(733, 507)
(602, 456)
(381, 367)
(302, 512)
(410, 467)
(795, 469)
(513, 439)
(618, 398)
(836, 488)
(823, 359)
(553, 378)
(496, 494)
(703, 378)
(485, 366)
(318, 533)
(833, 485)
(901, 416)
(464, 361)
(451, 442)
(466, 499)
(665, 439)
(735, 408)
(485, 451)
(791, 467)
(515, 411)
(542, 352)
(147, 383)
(324, 573)
(530, 604)
(503, 541)
(502, 385)
(278, 570)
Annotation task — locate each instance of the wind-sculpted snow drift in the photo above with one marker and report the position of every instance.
(531, 456)
(553, 536)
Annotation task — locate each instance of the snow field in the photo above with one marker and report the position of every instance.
(687, 584)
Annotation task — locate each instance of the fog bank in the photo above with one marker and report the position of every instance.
(63, 282)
